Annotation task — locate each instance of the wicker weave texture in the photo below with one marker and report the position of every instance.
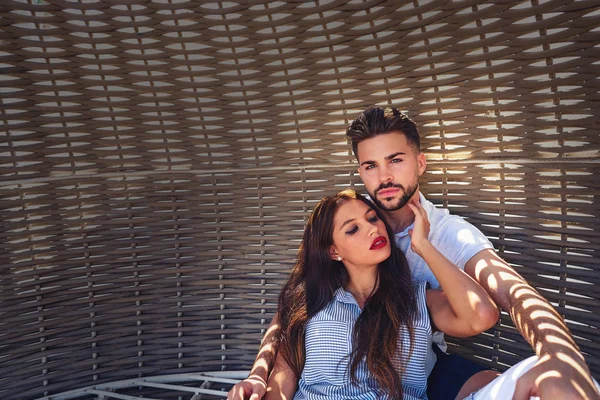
(158, 160)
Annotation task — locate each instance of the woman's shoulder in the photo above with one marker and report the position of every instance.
(420, 287)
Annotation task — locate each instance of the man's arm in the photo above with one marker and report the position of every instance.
(561, 372)
(255, 385)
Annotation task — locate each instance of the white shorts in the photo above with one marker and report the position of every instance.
(503, 387)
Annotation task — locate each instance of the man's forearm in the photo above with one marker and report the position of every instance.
(561, 370)
(540, 324)
(534, 317)
(265, 359)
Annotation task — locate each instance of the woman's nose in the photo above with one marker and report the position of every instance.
(373, 230)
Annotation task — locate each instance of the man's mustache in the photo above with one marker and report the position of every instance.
(389, 185)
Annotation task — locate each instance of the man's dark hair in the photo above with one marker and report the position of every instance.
(377, 121)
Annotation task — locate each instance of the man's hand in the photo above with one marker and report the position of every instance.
(251, 388)
(557, 377)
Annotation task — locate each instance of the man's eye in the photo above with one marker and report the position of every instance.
(371, 166)
(352, 231)
(396, 160)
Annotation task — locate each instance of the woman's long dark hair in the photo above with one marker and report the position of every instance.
(312, 285)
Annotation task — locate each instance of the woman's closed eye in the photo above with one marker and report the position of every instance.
(352, 230)
(372, 219)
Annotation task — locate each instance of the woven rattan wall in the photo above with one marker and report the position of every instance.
(158, 160)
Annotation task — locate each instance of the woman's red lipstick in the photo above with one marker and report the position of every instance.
(378, 243)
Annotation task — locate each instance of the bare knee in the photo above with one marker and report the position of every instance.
(476, 382)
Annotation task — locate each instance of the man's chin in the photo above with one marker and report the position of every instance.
(389, 204)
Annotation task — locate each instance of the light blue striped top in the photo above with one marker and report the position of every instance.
(329, 344)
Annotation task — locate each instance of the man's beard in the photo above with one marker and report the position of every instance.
(401, 202)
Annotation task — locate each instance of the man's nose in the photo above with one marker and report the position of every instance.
(385, 174)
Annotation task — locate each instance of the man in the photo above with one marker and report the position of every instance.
(386, 144)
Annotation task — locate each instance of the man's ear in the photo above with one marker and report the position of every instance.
(422, 163)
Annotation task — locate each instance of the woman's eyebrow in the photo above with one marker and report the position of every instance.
(347, 222)
(352, 219)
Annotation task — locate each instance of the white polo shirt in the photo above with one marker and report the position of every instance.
(454, 237)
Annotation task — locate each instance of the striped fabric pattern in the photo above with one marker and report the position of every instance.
(329, 344)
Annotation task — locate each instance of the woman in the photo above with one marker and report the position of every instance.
(353, 325)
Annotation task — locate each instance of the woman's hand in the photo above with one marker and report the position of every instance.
(419, 235)
(252, 388)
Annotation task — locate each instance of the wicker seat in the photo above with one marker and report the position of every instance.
(159, 160)
(176, 386)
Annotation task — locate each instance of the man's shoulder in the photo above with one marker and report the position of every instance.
(440, 217)
(449, 227)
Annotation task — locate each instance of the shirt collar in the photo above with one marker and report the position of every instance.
(344, 296)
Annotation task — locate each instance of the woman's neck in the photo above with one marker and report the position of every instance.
(362, 283)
